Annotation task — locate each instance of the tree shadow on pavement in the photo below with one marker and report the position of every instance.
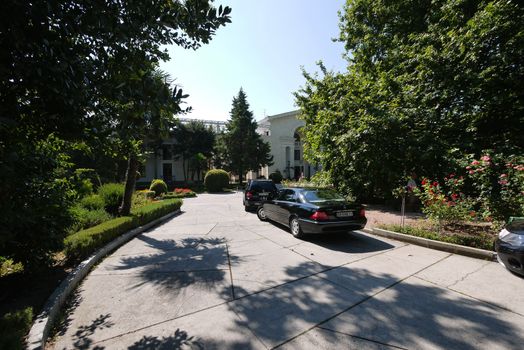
(82, 336)
(179, 339)
(411, 314)
(352, 242)
(199, 262)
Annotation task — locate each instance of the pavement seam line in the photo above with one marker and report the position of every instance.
(472, 297)
(362, 338)
(230, 273)
(360, 302)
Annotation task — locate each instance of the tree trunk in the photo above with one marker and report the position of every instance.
(132, 166)
(184, 169)
(240, 177)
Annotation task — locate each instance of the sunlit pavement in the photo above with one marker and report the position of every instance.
(216, 277)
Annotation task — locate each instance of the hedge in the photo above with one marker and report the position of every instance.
(83, 243)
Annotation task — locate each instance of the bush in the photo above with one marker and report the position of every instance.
(156, 210)
(445, 204)
(216, 180)
(85, 242)
(13, 328)
(84, 218)
(79, 245)
(92, 202)
(159, 186)
(276, 177)
(146, 194)
(112, 194)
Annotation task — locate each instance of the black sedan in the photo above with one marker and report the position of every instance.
(313, 210)
(510, 246)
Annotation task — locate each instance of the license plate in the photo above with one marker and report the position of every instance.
(263, 194)
(344, 214)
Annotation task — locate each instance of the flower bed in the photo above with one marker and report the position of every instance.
(179, 193)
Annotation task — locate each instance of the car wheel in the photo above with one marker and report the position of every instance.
(294, 226)
(261, 214)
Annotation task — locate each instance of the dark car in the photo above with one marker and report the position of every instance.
(313, 210)
(510, 246)
(257, 192)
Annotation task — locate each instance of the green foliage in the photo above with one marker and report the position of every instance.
(322, 178)
(112, 194)
(92, 202)
(244, 147)
(81, 71)
(13, 328)
(79, 245)
(85, 218)
(156, 210)
(445, 204)
(216, 180)
(481, 241)
(194, 146)
(146, 194)
(83, 243)
(498, 183)
(276, 176)
(158, 186)
(419, 74)
(8, 266)
(36, 192)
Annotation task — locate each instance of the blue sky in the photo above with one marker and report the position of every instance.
(261, 51)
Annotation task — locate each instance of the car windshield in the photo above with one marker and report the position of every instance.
(315, 196)
(266, 186)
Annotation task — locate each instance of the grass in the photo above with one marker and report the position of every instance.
(481, 240)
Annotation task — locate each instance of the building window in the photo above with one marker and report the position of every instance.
(166, 153)
(297, 154)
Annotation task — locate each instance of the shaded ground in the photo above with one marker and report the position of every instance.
(216, 277)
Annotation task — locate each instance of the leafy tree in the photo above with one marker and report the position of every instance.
(245, 147)
(194, 144)
(427, 82)
(73, 69)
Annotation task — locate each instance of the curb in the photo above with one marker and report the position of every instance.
(429, 243)
(39, 332)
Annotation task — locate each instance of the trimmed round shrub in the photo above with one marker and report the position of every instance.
(112, 194)
(159, 186)
(92, 202)
(276, 177)
(216, 179)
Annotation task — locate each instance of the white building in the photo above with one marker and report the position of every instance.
(283, 132)
(162, 163)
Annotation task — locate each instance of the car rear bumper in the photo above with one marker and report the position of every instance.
(512, 257)
(311, 226)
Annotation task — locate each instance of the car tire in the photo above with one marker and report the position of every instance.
(261, 214)
(294, 227)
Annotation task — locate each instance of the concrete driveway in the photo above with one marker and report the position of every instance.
(217, 277)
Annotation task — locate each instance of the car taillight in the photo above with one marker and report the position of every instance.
(319, 216)
(249, 195)
(362, 212)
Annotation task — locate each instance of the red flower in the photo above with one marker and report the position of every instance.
(454, 196)
(435, 184)
(424, 182)
(475, 162)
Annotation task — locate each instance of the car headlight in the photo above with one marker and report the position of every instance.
(511, 238)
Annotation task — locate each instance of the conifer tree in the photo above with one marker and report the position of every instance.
(246, 149)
